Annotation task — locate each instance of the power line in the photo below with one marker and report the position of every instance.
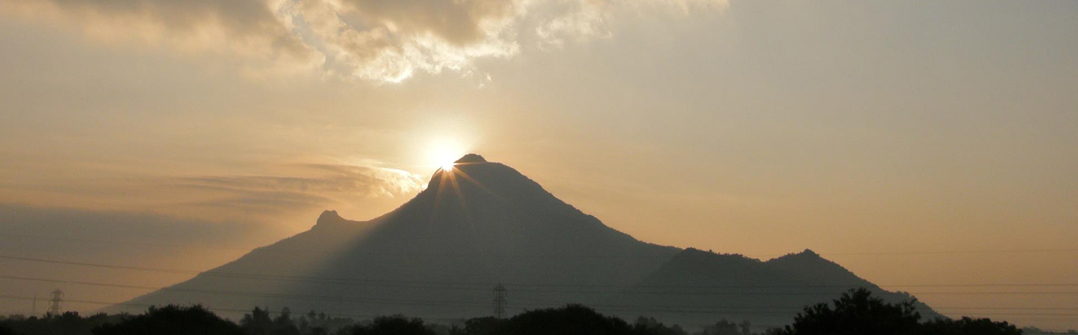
(316, 252)
(478, 285)
(214, 309)
(323, 280)
(134, 243)
(292, 250)
(609, 307)
(253, 294)
(1067, 316)
(949, 252)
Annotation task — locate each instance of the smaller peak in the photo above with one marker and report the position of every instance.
(329, 216)
(329, 213)
(471, 158)
(806, 255)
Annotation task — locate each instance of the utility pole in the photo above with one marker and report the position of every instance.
(499, 301)
(33, 308)
(57, 301)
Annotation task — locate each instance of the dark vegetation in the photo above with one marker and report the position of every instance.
(856, 312)
(171, 320)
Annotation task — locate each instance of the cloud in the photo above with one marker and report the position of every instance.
(314, 185)
(382, 40)
(248, 27)
(287, 194)
(112, 237)
(391, 40)
(31, 225)
(333, 179)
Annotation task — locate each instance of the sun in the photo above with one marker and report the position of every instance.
(446, 160)
(443, 153)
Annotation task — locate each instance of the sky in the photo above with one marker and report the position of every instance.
(915, 143)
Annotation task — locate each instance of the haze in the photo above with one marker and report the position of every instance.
(915, 143)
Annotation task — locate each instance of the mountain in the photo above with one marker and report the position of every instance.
(439, 256)
(695, 285)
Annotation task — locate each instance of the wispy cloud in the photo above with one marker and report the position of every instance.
(382, 40)
(281, 194)
(314, 185)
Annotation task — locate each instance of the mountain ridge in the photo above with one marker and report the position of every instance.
(475, 225)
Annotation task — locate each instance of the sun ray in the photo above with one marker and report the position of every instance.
(465, 176)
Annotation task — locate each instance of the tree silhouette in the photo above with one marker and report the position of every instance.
(390, 325)
(479, 326)
(724, 327)
(855, 313)
(257, 323)
(650, 326)
(968, 326)
(68, 323)
(283, 324)
(172, 320)
(569, 320)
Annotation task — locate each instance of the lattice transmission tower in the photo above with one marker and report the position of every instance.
(57, 302)
(499, 301)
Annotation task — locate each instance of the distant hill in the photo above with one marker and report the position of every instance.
(697, 286)
(439, 255)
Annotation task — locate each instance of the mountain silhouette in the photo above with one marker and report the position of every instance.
(769, 293)
(440, 254)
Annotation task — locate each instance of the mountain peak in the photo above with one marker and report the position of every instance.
(471, 158)
(474, 178)
(329, 217)
(808, 254)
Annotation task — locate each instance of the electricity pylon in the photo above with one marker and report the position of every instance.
(57, 301)
(499, 301)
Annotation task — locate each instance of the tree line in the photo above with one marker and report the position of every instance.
(854, 313)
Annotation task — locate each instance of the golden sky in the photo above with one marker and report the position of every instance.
(912, 142)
